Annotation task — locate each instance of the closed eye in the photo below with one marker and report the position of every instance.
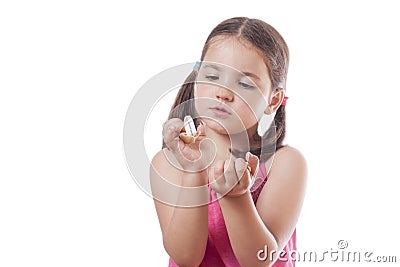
(246, 85)
(212, 77)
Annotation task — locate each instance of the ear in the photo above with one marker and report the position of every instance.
(276, 100)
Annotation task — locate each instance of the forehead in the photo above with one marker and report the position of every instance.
(238, 54)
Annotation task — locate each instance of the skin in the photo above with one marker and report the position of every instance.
(272, 220)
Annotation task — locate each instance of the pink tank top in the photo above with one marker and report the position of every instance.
(219, 251)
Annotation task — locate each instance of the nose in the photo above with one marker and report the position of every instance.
(224, 94)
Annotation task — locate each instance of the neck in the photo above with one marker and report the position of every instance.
(224, 142)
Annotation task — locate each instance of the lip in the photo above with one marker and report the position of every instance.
(220, 112)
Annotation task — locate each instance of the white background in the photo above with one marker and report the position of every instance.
(69, 69)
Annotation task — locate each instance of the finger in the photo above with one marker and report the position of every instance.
(219, 173)
(171, 130)
(207, 151)
(212, 180)
(211, 175)
(240, 168)
(230, 173)
(253, 162)
(201, 129)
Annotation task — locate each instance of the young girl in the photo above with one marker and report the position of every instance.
(227, 199)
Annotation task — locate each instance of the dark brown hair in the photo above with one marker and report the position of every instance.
(276, 56)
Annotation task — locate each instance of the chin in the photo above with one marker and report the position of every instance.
(216, 127)
(229, 130)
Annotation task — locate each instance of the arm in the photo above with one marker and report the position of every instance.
(246, 230)
(272, 221)
(184, 229)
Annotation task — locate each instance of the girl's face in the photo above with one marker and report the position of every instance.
(232, 86)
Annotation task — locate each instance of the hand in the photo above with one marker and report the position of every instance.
(233, 177)
(194, 156)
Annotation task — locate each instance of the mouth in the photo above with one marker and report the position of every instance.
(220, 112)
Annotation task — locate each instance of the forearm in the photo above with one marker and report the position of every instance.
(185, 237)
(247, 232)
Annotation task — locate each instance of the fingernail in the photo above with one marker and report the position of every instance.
(248, 155)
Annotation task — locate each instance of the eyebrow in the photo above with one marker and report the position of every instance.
(246, 73)
(251, 75)
(211, 66)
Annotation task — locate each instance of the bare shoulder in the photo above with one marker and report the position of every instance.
(159, 159)
(289, 153)
(289, 162)
(164, 166)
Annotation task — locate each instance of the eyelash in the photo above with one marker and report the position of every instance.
(242, 84)
(246, 86)
(212, 77)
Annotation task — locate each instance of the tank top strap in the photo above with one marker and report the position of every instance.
(259, 181)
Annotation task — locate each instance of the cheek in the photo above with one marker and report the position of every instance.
(202, 99)
(247, 114)
(251, 107)
(200, 91)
